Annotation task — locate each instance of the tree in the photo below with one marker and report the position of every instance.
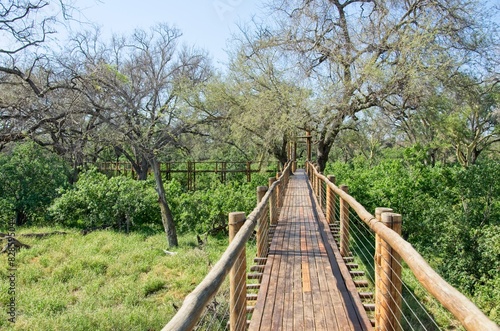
(25, 25)
(137, 87)
(264, 105)
(473, 122)
(361, 53)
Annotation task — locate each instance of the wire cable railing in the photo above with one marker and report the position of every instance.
(395, 270)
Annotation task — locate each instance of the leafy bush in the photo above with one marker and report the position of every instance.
(29, 179)
(203, 210)
(96, 200)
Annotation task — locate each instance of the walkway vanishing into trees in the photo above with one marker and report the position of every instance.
(311, 239)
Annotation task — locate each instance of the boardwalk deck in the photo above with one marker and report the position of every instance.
(306, 285)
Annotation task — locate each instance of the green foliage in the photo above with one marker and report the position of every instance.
(96, 200)
(29, 179)
(206, 209)
(450, 214)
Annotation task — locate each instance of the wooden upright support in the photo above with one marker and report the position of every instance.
(344, 224)
(309, 147)
(279, 189)
(273, 213)
(388, 299)
(237, 279)
(249, 172)
(330, 201)
(262, 226)
(317, 182)
(378, 267)
(320, 191)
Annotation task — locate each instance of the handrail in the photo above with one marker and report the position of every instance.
(471, 317)
(195, 302)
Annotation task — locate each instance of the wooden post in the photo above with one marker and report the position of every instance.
(378, 267)
(249, 172)
(330, 201)
(320, 192)
(318, 182)
(237, 279)
(388, 285)
(273, 215)
(309, 147)
(294, 157)
(223, 172)
(194, 175)
(262, 226)
(344, 224)
(278, 190)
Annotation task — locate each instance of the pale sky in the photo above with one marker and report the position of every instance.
(207, 24)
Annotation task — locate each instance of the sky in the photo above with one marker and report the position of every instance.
(206, 24)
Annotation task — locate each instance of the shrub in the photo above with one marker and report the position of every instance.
(96, 200)
(29, 180)
(203, 210)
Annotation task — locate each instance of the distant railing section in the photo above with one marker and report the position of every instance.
(208, 307)
(192, 169)
(377, 243)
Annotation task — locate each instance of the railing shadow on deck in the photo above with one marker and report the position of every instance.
(377, 242)
(233, 262)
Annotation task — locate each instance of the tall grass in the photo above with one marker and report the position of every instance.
(103, 281)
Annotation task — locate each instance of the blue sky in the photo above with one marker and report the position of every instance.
(205, 23)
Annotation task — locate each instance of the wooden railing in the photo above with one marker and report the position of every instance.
(390, 249)
(233, 261)
(192, 169)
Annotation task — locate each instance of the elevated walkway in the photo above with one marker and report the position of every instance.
(305, 284)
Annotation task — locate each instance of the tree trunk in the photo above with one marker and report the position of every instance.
(166, 214)
(280, 152)
(323, 150)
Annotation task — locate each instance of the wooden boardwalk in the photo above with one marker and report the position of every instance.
(306, 284)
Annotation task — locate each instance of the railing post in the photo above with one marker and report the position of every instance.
(344, 224)
(330, 201)
(279, 188)
(237, 279)
(316, 182)
(272, 203)
(320, 192)
(249, 172)
(378, 268)
(389, 285)
(262, 226)
(309, 147)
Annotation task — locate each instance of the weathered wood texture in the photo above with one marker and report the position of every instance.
(306, 285)
(471, 317)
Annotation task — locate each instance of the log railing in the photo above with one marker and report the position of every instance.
(190, 170)
(389, 250)
(233, 261)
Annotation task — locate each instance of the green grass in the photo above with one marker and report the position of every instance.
(103, 281)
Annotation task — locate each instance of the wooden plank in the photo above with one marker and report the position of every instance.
(306, 282)
(298, 306)
(273, 282)
(325, 277)
(302, 288)
(288, 295)
(314, 255)
(282, 249)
